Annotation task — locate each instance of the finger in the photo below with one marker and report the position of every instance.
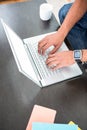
(54, 67)
(52, 64)
(49, 60)
(58, 66)
(54, 50)
(46, 48)
(51, 55)
(40, 46)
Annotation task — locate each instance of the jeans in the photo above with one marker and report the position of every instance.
(77, 36)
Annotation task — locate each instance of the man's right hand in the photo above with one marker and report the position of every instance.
(54, 39)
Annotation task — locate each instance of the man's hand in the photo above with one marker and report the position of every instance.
(54, 39)
(60, 59)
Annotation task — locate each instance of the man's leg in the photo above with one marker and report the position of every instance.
(78, 34)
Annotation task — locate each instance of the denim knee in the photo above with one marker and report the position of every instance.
(63, 12)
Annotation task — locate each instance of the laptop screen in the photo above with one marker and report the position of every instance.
(19, 53)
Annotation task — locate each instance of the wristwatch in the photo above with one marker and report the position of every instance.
(78, 55)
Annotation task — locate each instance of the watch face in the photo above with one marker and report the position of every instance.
(77, 54)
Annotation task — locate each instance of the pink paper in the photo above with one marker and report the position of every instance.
(41, 114)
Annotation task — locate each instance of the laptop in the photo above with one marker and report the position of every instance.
(32, 64)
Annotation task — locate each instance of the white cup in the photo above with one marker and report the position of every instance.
(45, 11)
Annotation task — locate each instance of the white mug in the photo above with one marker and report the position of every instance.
(45, 11)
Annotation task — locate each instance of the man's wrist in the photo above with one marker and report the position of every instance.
(63, 32)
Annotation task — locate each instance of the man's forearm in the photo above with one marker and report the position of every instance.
(75, 13)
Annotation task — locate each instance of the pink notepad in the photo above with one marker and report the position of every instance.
(41, 114)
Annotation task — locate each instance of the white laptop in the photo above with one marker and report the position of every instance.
(32, 64)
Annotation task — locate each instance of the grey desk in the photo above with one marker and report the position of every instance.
(18, 94)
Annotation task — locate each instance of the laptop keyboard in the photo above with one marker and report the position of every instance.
(39, 61)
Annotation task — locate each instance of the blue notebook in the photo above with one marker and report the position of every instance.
(50, 126)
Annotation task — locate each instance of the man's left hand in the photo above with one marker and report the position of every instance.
(60, 59)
